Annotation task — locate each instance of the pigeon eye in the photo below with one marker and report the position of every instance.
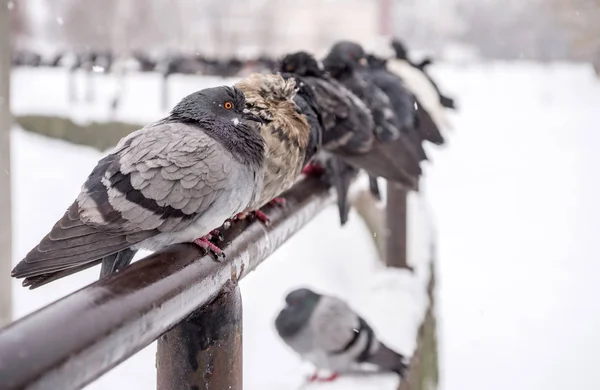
(228, 105)
(290, 68)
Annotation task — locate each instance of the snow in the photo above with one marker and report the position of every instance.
(86, 97)
(512, 198)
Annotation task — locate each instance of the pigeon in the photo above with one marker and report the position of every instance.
(170, 182)
(403, 102)
(420, 84)
(402, 54)
(287, 133)
(347, 125)
(327, 332)
(342, 63)
(306, 100)
(346, 62)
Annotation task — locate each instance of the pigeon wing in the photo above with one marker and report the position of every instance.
(159, 179)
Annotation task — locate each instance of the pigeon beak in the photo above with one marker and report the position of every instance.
(363, 61)
(250, 116)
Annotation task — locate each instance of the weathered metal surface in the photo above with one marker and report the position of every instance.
(396, 221)
(423, 372)
(205, 350)
(73, 341)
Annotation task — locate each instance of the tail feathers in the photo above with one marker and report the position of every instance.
(34, 282)
(389, 360)
(71, 244)
(341, 176)
(116, 262)
(110, 264)
(395, 161)
(427, 128)
(374, 187)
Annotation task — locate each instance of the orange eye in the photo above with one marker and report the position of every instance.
(228, 105)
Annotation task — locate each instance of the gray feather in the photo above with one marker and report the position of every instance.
(332, 336)
(166, 183)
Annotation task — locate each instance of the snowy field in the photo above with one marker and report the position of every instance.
(513, 203)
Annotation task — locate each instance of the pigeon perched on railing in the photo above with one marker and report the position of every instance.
(346, 61)
(402, 54)
(170, 182)
(327, 332)
(350, 138)
(348, 125)
(404, 101)
(423, 87)
(289, 138)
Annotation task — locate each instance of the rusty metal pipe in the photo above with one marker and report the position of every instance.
(73, 341)
(205, 350)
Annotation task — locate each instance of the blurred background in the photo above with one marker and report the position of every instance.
(541, 30)
(511, 199)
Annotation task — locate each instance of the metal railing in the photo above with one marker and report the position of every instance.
(188, 301)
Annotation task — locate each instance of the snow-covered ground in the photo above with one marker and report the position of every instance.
(88, 96)
(513, 197)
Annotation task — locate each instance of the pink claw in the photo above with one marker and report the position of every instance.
(204, 243)
(264, 218)
(312, 169)
(278, 201)
(315, 377)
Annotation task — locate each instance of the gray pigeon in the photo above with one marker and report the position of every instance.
(328, 333)
(170, 182)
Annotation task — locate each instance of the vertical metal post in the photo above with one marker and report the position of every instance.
(396, 221)
(205, 350)
(423, 373)
(5, 205)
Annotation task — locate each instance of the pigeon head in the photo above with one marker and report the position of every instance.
(300, 306)
(269, 95)
(400, 49)
(302, 297)
(227, 103)
(302, 64)
(375, 62)
(344, 55)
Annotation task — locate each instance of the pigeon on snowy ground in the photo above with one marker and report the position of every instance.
(170, 182)
(402, 54)
(328, 333)
(289, 139)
